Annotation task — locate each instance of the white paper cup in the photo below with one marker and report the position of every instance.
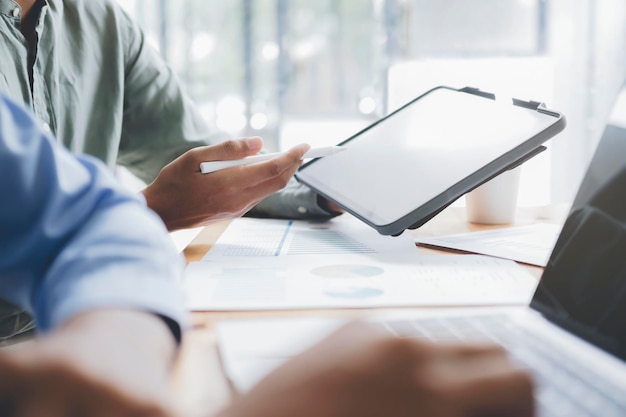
(494, 202)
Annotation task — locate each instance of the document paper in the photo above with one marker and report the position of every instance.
(245, 238)
(528, 244)
(342, 264)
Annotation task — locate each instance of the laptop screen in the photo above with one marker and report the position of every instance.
(583, 288)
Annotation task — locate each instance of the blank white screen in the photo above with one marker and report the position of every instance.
(403, 162)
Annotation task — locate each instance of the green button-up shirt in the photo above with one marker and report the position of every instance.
(103, 91)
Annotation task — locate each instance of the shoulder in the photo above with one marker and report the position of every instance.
(92, 12)
(99, 23)
(86, 6)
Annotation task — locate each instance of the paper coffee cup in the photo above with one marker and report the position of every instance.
(494, 202)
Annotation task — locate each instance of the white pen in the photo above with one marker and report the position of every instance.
(212, 166)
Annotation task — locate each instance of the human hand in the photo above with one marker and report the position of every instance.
(359, 371)
(184, 197)
(90, 369)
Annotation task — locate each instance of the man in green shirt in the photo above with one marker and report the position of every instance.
(85, 69)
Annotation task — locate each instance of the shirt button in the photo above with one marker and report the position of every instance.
(302, 210)
(16, 12)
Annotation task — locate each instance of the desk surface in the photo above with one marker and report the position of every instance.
(198, 378)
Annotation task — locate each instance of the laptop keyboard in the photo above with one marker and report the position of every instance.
(565, 388)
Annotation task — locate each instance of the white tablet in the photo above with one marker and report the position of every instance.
(402, 170)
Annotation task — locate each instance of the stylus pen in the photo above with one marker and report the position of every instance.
(212, 166)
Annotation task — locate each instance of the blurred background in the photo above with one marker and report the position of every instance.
(297, 71)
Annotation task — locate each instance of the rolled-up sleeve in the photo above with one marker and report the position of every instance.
(71, 239)
(160, 121)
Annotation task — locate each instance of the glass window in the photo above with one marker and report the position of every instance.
(295, 70)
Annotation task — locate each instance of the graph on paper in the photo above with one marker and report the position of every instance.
(272, 238)
(315, 242)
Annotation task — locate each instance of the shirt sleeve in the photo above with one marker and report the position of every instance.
(161, 122)
(295, 201)
(71, 239)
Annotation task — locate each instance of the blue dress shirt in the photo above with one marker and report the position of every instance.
(71, 239)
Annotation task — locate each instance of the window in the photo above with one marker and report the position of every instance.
(294, 70)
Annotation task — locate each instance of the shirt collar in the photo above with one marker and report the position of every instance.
(7, 8)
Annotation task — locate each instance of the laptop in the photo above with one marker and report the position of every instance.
(572, 337)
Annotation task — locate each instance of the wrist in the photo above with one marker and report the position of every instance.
(108, 362)
(155, 203)
(124, 344)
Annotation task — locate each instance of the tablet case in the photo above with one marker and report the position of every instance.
(427, 211)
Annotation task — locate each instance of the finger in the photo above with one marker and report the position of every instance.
(504, 391)
(374, 341)
(358, 332)
(300, 150)
(459, 363)
(283, 166)
(270, 186)
(230, 149)
(258, 191)
(258, 180)
(473, 349)
(252, 189)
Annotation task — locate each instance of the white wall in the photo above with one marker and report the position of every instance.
(580, 75)
(588, 44)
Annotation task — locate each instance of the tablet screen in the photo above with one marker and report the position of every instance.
(421, 151)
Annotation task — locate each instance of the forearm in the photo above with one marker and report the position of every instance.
(109, 362)
(131, 348)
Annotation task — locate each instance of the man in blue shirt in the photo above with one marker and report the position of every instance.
(98, 272)
(54, 228)
(88, 260)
